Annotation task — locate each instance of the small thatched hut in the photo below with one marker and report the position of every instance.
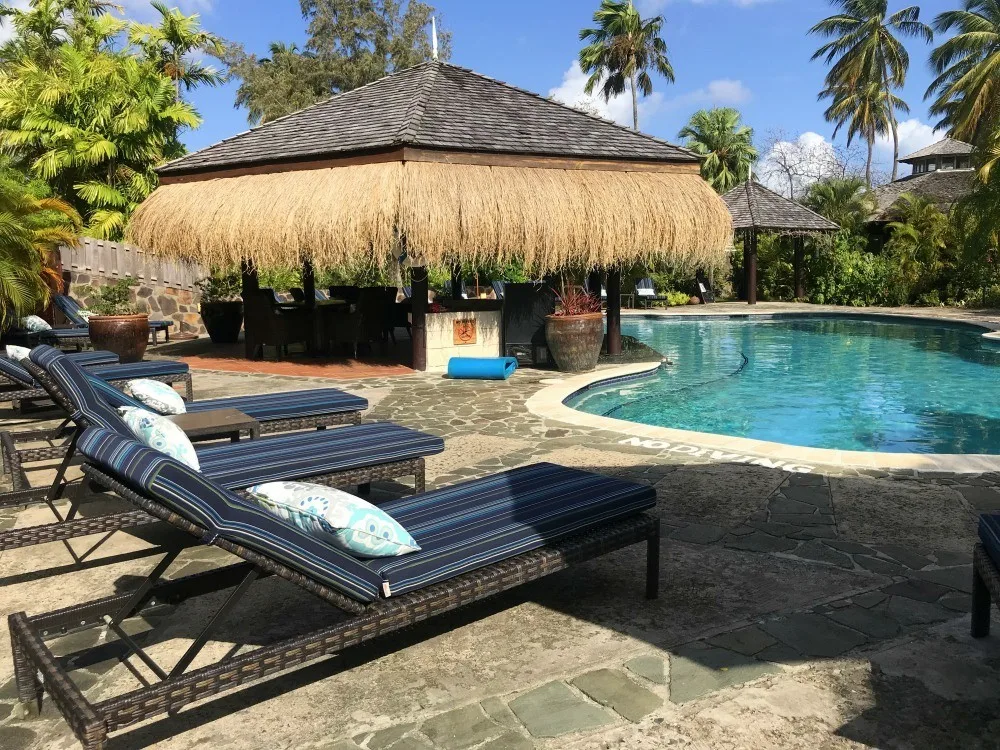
(449, 166)
(756, 209)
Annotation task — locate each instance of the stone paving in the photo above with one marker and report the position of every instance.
(797, 610)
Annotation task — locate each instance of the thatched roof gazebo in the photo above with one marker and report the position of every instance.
(446, 166)
(755, 209)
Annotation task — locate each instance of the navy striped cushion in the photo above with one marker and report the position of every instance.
(15, 371)
(58, 334)
(133, 370)
(989, 534)
(196, 498)
(70, 308)
(269, 406)
(93, 358)
(476, 523)
(311, 454)
(91, 409)
(160, 324)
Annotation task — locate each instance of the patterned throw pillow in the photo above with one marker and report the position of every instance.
(17, 353)
(161, 434)
(34, 324)
(339, 519)
(159, 397)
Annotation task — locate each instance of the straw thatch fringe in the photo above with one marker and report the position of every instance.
(353, 216)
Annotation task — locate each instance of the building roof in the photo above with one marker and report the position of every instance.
(433, 105)
(944, 186)
(946, 147)
(753, 206)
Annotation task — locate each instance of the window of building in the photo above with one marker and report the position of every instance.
(932, 166)
(964, 163)
(948, 163)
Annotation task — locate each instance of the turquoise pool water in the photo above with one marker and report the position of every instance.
(847, 383)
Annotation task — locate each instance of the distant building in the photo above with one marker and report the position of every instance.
(942, 172)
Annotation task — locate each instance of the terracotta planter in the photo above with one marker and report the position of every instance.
(223, 321)
(125, 335)
(575, 340)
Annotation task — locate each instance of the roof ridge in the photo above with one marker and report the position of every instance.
(562, 105)
(415, 113)
(297, 112)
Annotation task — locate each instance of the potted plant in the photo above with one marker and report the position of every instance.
(116, 324)
(222, 306)
(575, 332)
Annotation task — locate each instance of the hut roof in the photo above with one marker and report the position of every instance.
(945, 188)
(945, 147)
(464, 168)
(432, 105)
(753, 206)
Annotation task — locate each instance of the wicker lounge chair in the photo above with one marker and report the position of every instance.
(479, 538)
(355, 455)
(14, 377)
(985, 573)
(645, 292)
(26, 388)
(71, 309)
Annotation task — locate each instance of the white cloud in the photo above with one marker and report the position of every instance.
(723, 92)
(798, 164)
(618, 108)
(913, 136)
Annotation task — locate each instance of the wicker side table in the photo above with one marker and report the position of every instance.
(217, 424)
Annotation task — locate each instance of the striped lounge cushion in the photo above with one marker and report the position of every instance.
(61, 334)
(472, 524)
(15, 372)
(196, 498)
(75, 383)
(134, 370)
(989, 534)
(312, 454)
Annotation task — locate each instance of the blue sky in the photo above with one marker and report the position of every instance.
(752, 54)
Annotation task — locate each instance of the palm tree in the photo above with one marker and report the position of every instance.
(30, 226)
(867, 110)
(623, 49)
(967, 87)
(725, 142)
(918, 235)
(843, 200)
(171, 44)
(865, 51)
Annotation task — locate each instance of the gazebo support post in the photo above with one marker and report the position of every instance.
(614, 311)
(309, 283)
(456, 282)
(594, 282)
(418, 324)
(251, 285)
(750, 265)
(798, 263)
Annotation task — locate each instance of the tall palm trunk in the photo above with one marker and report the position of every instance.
(895, 129)
(868, 164)
(635, 103)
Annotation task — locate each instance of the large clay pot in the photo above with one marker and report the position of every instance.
(223, 321)
(575, 340)
(125, 335)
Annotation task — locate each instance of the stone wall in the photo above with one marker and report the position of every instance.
(167, 291)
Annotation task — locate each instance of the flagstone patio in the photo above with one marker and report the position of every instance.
(827, 610)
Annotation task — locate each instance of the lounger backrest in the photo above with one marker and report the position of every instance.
(70, 308)
(498, 289)
(645, 288)
(11, 369)
(69, 377)
(114, 397)
(193, 496)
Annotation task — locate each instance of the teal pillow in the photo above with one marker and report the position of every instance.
(338, 518)
(160, 434)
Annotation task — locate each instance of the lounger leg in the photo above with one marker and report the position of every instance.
(653, 564)
(365, 489)
(29, 688)
(980, 606)
(59, 483)
(188, 388)
(420, 479)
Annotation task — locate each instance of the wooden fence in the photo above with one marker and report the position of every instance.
(114, 260)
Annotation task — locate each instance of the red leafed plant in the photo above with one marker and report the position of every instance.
(574, 301)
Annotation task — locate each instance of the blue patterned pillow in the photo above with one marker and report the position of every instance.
(339, 519)
(160, 434)
(159, 397)
(34, 324)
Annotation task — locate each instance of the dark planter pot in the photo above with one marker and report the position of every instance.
(125, 335)
(223, 321)
(575, 340)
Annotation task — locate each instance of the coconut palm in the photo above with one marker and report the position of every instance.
(172, 45)
(918, 235)
(622, 51)
(725, 142)
(867, 110)
(30, 226)
(967, 87)
(864, 50)
(843, 200)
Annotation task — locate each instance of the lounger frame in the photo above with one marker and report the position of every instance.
(38, 671)
(985, 590)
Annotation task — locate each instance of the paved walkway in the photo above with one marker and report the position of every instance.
(827, 610)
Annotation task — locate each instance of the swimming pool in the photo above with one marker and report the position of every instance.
(848, 383)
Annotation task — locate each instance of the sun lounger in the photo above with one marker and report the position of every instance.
(13, 375)
(645, 291)
(985, 573)
(72, 309)
(478, 539)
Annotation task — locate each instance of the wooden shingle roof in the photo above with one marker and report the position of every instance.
(945, 147)
(753, 206)
(945, 188)
(433, 105)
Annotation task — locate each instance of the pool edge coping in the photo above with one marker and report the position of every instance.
(550, 403)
